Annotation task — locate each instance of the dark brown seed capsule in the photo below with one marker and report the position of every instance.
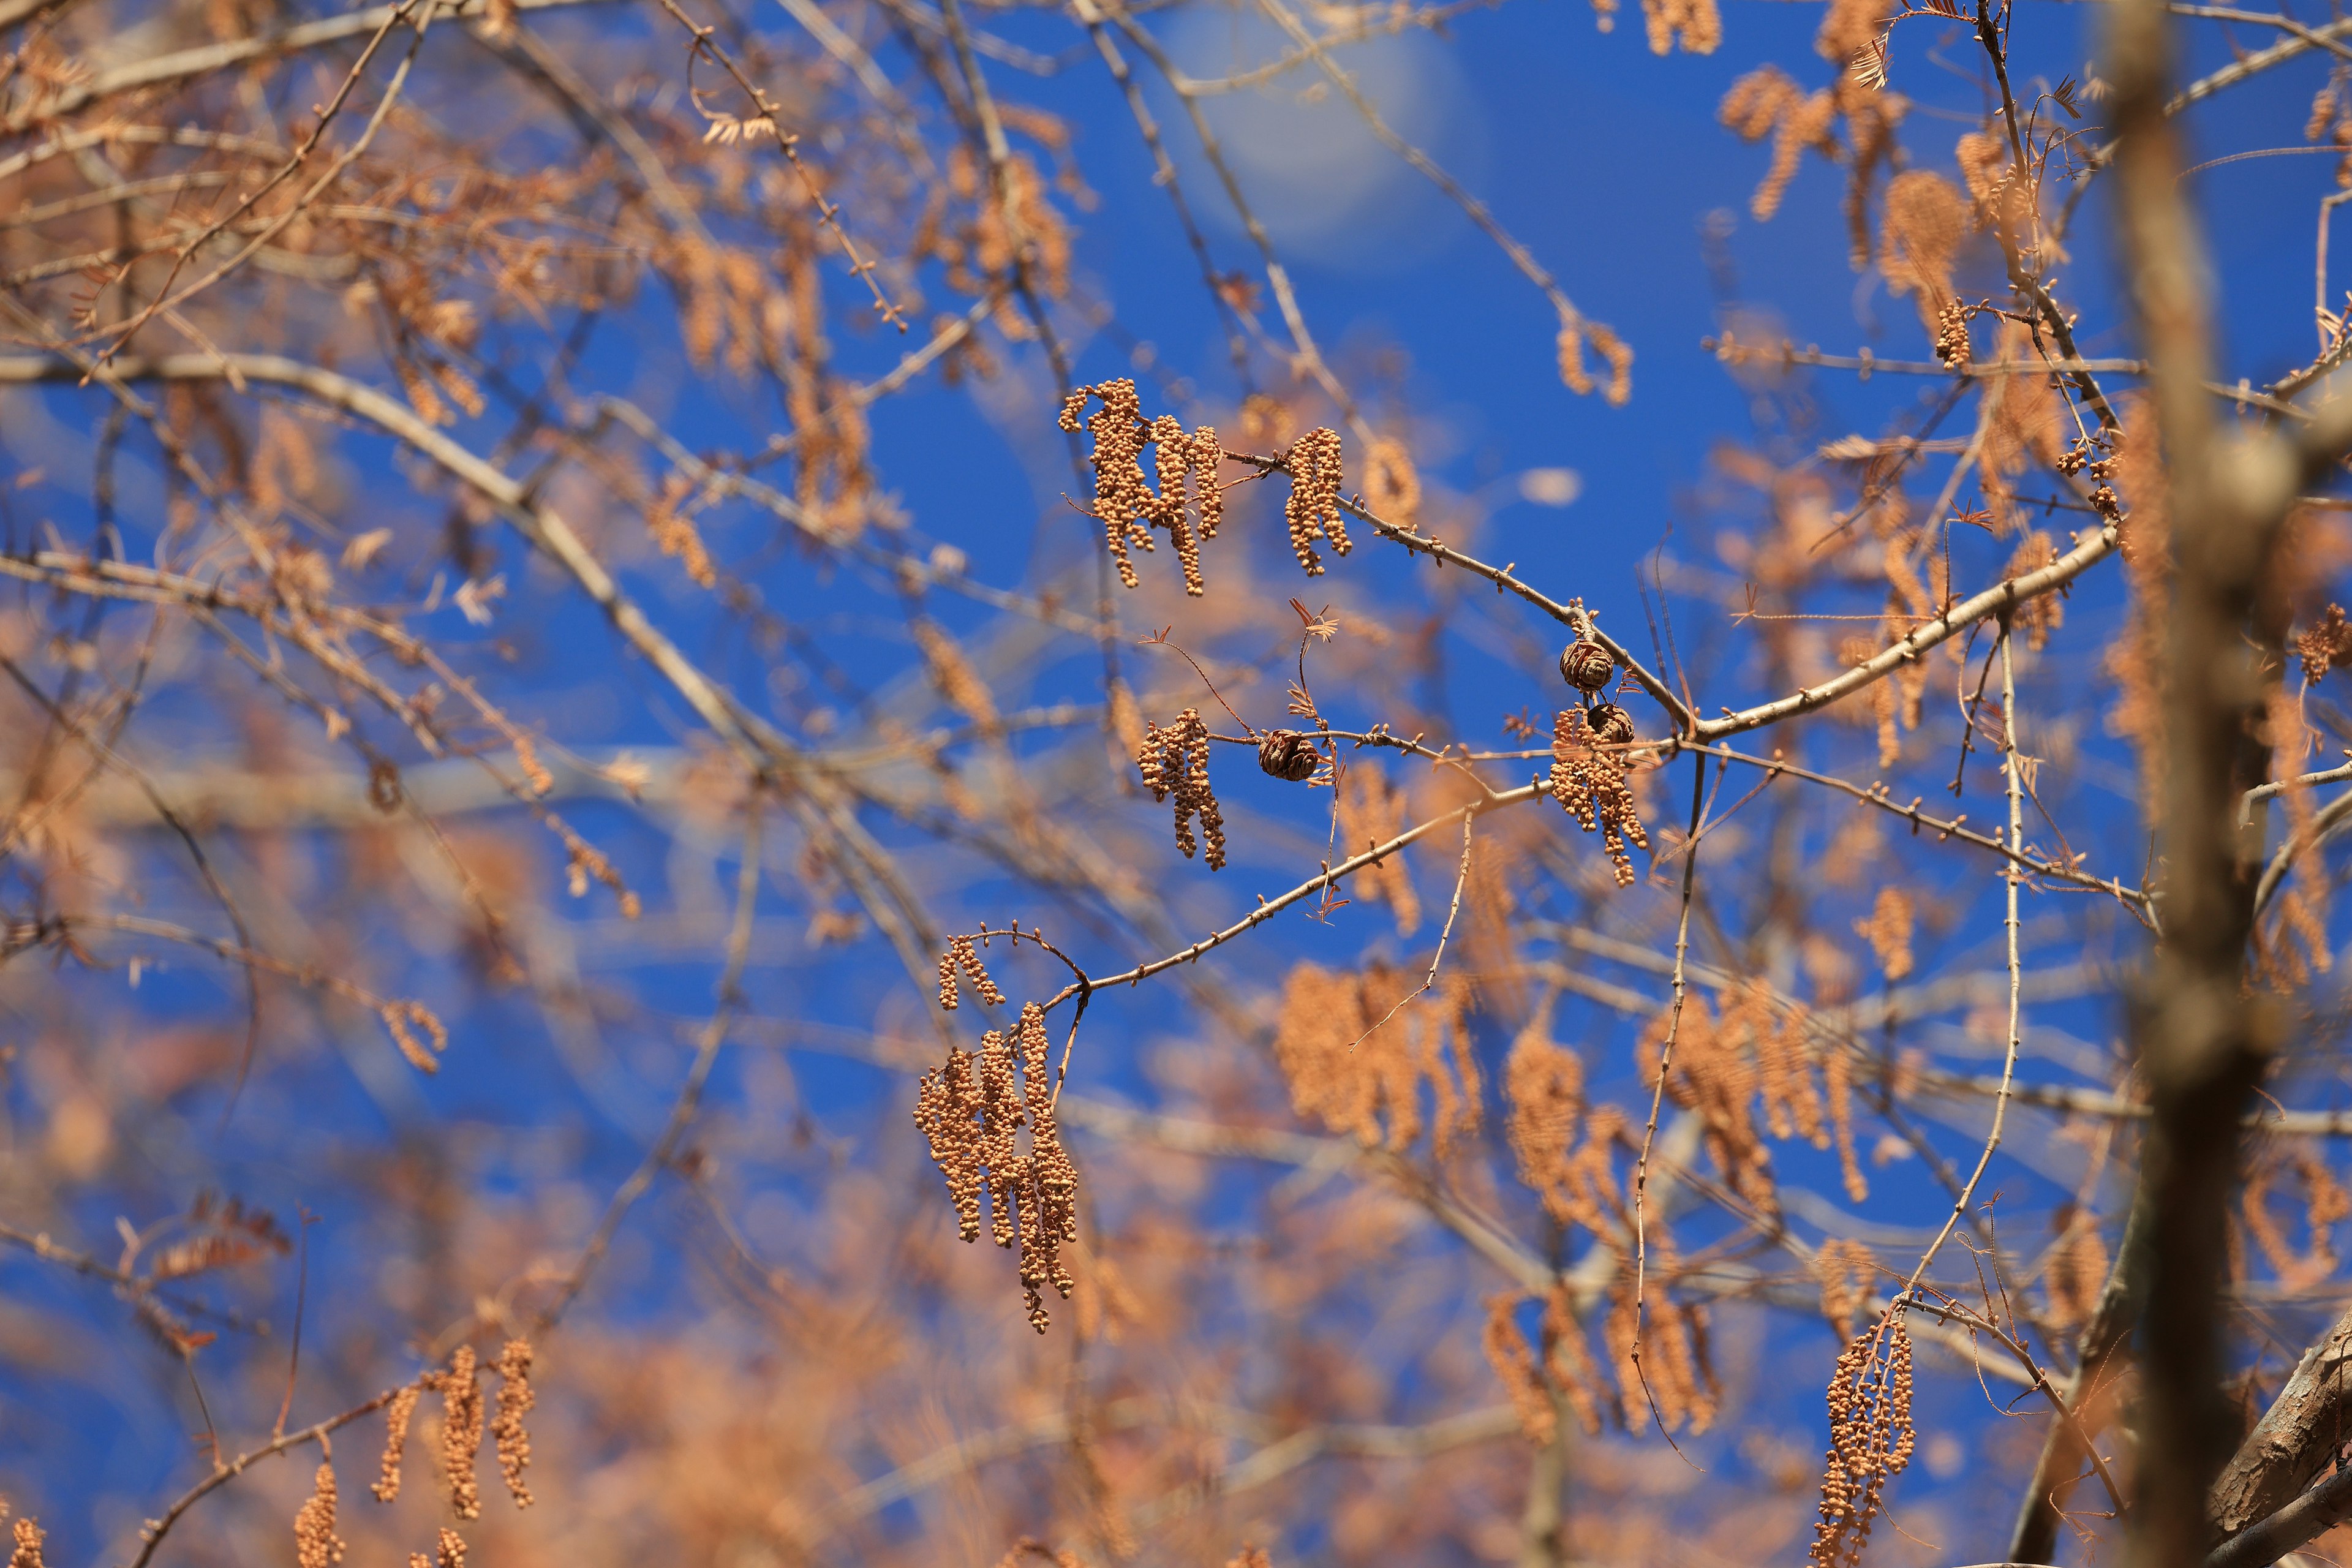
(1610, 723)
(1288, 754)
(1586, 664)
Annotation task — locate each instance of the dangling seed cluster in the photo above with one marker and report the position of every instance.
(971, 1111)
(1870, 1439)
(460, 1387)
(1125, 502)
(1952, 344)
(1590, 784)
(1175, 762)
(395, 1442)
(461, 1432)
(1313, 510)
(963, 954)
(316, 1544)
(507, 1430)
(1587, 666)
(1288, 755)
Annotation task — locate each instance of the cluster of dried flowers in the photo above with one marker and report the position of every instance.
(971, 1111)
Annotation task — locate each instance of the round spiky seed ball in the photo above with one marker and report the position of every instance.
(1586, 664)
(1288, 754)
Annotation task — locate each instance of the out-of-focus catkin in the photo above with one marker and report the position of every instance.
(1391, 484)
(28, 1554)
(1888, 931)
(1372, 811)
(1615, 352)
(316, 1544)
(1514, 1367)
(1356, 1062)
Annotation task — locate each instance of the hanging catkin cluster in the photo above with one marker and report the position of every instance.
(1563, 1370)
(1589, 785)
(462, 1412)
(1677, 1367)
(971, 1111)
(316, 1544)
(507, 1430)
(28, 1554)
(461, 1432)
(1312, 512)
(1870, 1439)
(1754, 1058)
(1175, 762)
(1888, 931)
(963, 954)
(1356, 1061)
(2077, 1270)
(1188, 503)
(1846, 1271)
(1578, 1182)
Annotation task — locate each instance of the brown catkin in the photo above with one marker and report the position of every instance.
(1696, 25)
(1589, 785)
(1544, 1083)
(1250, 1556)
(1391, 484)
(1927, 218)
(2045, 612)
(28, 1554)
(515, 1398)
(316, 1544)
(1372, 811)
(972, 1111)
(1174, 761)
(1870, 1438)
(1514, 1367)
(1845, 1269)
(1888, 931)
(449, 1552)
(1125, 502)
(396, 1417)
(1358, 1064)
(1123, 496)
(1313, 510)
(461, 1432)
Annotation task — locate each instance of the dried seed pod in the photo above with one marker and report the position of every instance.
(1586, 664)
(1288, 754)
(1610, 723)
